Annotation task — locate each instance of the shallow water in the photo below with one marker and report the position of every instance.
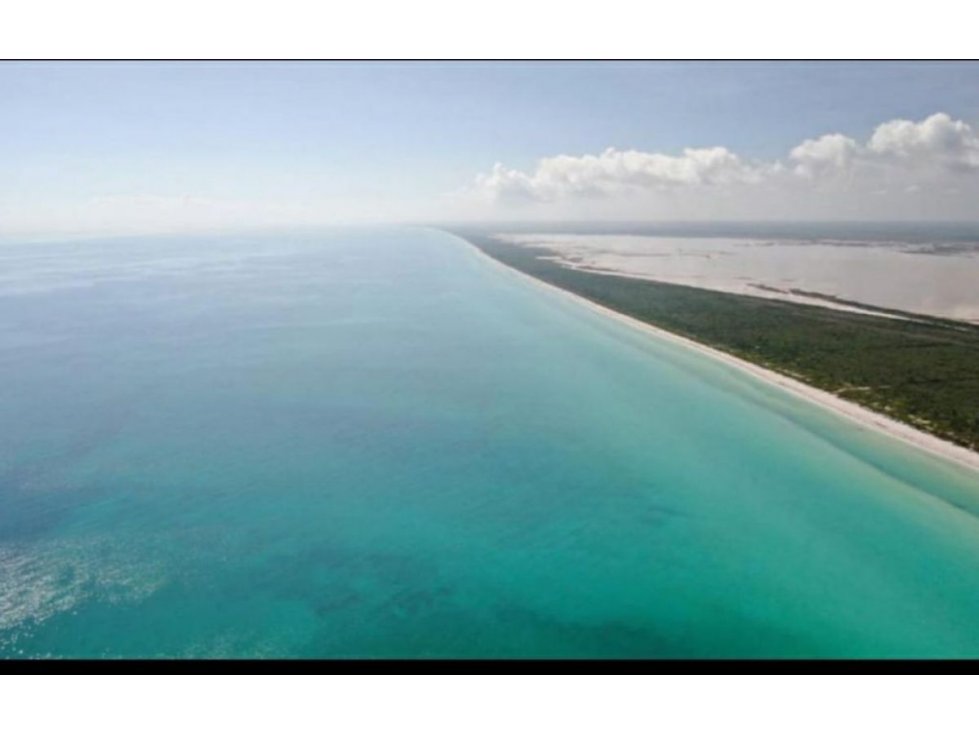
(377, 443)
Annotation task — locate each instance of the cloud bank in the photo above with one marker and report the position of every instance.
(904, 169)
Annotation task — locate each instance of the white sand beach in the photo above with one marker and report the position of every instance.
(853, 412)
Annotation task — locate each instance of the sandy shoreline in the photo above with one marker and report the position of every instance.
(853, 412)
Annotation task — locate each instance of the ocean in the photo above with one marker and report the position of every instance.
(372, 443)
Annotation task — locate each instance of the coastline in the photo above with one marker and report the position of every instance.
(858, 414)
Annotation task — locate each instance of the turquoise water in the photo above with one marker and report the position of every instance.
(377, 443)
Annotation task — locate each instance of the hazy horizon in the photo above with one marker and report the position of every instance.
(104, 148)
(870, 230)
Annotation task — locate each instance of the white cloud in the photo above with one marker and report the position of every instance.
(830, 175)
(834, 152)
(617, 171)
(936, 140)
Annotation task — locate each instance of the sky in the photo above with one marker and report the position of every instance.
(120, 147)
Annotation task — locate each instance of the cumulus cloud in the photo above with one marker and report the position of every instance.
(937, 140)
(829, 153)
(900, 156)
(616, 171)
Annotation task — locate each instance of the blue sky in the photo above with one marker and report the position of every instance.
(399, 140)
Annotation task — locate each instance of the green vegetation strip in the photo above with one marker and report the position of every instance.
(923, 372)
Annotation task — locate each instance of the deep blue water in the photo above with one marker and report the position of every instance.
(373, 443)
